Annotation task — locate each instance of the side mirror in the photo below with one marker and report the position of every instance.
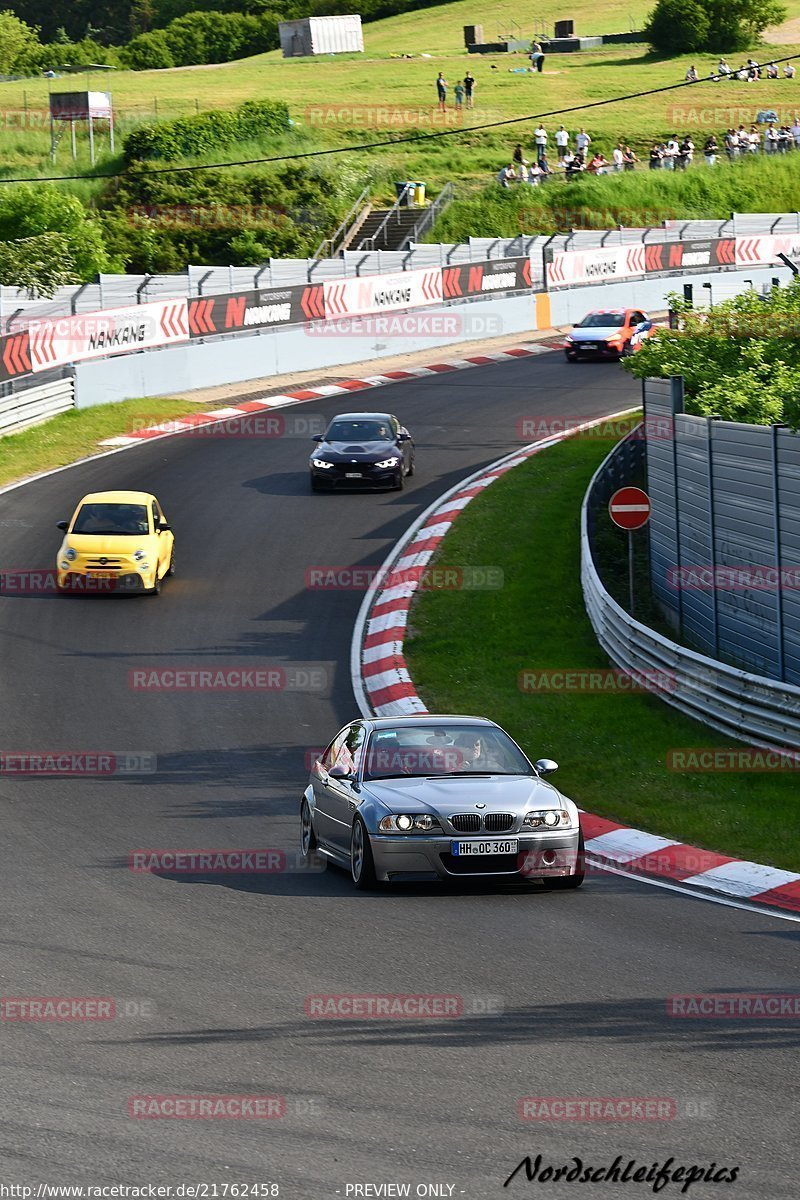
(62, 525)
(163, 527)
(340, 773)
(546, 766)
(318, 437)
(404, 437)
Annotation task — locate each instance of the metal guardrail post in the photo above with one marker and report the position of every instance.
(75, 297)
(143, 287)
(202, 280)
(776, 508)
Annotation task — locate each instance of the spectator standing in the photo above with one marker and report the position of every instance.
(562, 142)
(541, 163)
(629, 159)
(795, 131)
(469, 88)
(744, 140)
(784, 139)
(732, 144)
(441, 91)
(771, 140)
(534, 174)
(671, 153)
(583, 142)
(574, 165)
(656, 157)
(754, 139)
(540, 140)
(617, 157)
(598, 165)
(710, 150)
(458, 92)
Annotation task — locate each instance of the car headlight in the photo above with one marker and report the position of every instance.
(139, 555)
(406, 823)
(569, 339)
(388, 462)
(320, 462)
(70, 555)
(549, 817)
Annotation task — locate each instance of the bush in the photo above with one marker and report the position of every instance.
(148, 52)
(678, 27)
(213, 37)
(27, 213)
(187, 137)
(16, 41)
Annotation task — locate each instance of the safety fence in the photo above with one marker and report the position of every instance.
(738, 703)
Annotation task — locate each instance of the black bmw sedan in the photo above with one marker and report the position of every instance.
(362, 450)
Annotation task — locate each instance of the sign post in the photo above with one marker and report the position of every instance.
(629, 509)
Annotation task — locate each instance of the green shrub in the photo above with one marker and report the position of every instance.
(716, 26)
(149, 52)
(187, 137)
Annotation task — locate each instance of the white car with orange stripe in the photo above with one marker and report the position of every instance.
(606, 333)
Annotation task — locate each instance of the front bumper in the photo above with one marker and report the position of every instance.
(362, 476)
(598, 349)
(83, 580)
(539, 856)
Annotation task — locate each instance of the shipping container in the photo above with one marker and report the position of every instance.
(321, 35)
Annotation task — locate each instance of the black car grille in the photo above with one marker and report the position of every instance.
(466, 822)
(474, 822)
(104, 564)
(497, 822)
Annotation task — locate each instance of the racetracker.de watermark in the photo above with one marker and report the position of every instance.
(715, 117)
(257, 425)
(382, 116)
(735, 1006)
(206, 1107)
(73, 1008)
(626, 1109)
(733, 579)
(408, 324)
(78, 762)
(27, 582)
(731, 759)
(603, 681)
(246, 861)
(428, 578)
(400, 1007)
(538, 428)
(229, 679)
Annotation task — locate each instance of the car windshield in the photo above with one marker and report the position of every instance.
(358, 431)
(452, 749)
(602, 320)
(112, 518)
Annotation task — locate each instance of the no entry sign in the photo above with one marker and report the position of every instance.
(629, 508)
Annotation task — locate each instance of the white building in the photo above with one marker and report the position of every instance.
(321, 35)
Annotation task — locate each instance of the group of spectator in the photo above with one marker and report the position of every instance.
(748, 73)
(672, 155)
(463, 91)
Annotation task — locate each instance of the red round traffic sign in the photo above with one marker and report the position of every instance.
(629, 508)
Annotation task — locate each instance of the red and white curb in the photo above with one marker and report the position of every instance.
(322, 392)
(383, 687)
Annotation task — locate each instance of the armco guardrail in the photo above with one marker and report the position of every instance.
(741, 705)
(20, 409)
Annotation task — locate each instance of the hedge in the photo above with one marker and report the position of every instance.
(191, 137)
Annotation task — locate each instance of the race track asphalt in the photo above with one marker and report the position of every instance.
(210, 974)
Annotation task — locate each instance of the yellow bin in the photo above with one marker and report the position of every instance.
(419, 193)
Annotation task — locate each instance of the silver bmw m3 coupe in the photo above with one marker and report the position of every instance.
(425, 797)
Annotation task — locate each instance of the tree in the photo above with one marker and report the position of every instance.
(16, 40)
(715, 26)
(28, 212)
(148, 52)
(38, 265)
(678, 26)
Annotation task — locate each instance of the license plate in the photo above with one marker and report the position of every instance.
(590, 345)
(497, 846)
(353, 475)
(101, 574)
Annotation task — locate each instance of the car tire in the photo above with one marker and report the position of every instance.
(568, 883)
(410, 470)
(315, 485)
(308, 839)
(362, 866)
(171, 567)
(155, 590)
(571, 357)
(401, 480)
